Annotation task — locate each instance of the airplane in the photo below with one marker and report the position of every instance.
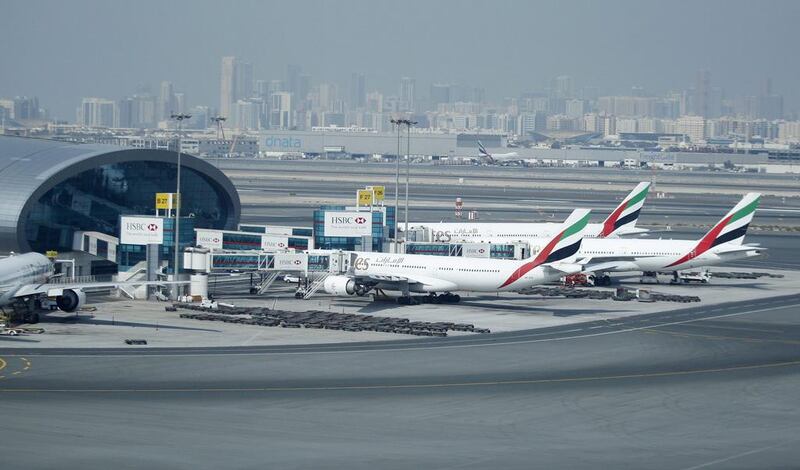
(621, 221)
(497, 157)
(722, 244)
(439, 274)
(26, 276)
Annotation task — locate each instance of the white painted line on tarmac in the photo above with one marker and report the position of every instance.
(418, 348)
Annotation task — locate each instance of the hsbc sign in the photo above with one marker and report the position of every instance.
(209, 239)
(141, 230)
(476, 250)
(348, 224)
(273, 243)
(291, 261)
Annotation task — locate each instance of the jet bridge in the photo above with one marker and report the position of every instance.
(311, 267)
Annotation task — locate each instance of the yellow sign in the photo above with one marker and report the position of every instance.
(166, 200)
(379, 192)
(364, 197)
(51, 254)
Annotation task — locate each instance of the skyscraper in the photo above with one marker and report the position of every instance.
(166, 101)
(562, 87)
(358, 90)
(440, 94)
(407, 93)
(97, 112)
(236, 83)
(702, 93)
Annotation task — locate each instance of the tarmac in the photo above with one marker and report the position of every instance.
(109, 323)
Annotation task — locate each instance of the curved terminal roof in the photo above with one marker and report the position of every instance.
(30, 167)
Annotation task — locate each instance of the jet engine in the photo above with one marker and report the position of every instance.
(71, 300)
(340, 285)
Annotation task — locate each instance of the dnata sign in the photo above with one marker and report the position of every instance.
(141, 230)
(282, 142)
(348, 224)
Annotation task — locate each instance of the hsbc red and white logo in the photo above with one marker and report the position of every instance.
(135, 230)
(297, 262)
(347, 224)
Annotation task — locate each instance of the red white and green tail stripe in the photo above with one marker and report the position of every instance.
(560, 247)
(731, 229)
(627, 213)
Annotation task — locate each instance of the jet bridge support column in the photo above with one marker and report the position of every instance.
(152, 257)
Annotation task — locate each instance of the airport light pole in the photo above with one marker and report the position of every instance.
(408, 124)
(177, 200)
(219, 120)
(396, 122)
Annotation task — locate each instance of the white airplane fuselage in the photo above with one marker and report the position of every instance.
(658, 255)
(452, 273)
(486, 232)
(20, 270)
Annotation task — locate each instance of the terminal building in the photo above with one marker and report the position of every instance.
(53, 191)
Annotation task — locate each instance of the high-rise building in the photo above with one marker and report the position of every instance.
(375, 102)
(692, 126)
(441, 93)
(97, 112)
(562, 87)
(407, 93)
(702, 94)
(358, 91)
(280, 110)
(166, 105)
(246, 114)
(302, 89)
(227, 85)
(575, 108)
(236, 83)
(292, 78)
(770, 104)
(26, 108)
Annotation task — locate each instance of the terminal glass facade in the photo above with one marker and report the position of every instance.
(380, 231)
(129, 255)
(94, 200)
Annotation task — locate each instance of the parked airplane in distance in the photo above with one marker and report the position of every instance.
(722, 244)
(445, 274)
(27, 275)
(620, 222)
(497, 157)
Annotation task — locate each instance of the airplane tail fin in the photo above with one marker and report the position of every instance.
(731, 229)
(482, 151)
(561, 248)
(626, 213)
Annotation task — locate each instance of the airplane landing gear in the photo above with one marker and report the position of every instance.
(407, 300)
(446, 298)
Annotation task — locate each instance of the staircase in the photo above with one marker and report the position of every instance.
(315, 286)
(268, 282)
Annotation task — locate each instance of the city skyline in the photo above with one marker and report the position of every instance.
(506, 50)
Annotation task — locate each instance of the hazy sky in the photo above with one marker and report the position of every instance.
(64, 50)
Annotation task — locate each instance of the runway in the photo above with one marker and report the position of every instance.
(675, 390)
(691, 388)
(505, 194)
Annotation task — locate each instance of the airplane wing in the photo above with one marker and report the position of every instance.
(617, 265)
(53, 290)
(566, 268)
(433, 283)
